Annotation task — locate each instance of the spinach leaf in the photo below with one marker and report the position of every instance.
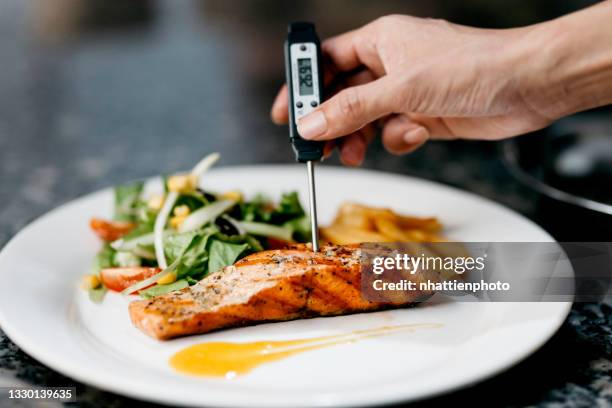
(193, 201)
(126, 198)
(97, 295)
(187, 252)
(258, 209)
(253, 243)
(191, 281)
(301, 228)
(261, 209)
(289, 207)
(197, 253)
(223, 254)
(140, 229)
(105, 258)
(145, 220)
(193, 261)
(163, 289)
(176, 244)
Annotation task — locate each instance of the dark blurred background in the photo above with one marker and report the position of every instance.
(95, 93)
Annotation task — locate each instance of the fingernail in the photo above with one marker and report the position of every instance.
(327, 152)
(312, 125)
(415, 136)
(352, 155)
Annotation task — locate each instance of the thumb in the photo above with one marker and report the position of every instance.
(349, 110)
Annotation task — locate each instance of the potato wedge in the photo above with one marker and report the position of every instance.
(356, 223)
(389, 228)
(342, 235)
(354, 215)
(430, 224)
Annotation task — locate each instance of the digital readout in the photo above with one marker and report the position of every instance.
(305, 76)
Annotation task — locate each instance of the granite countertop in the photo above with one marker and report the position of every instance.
(98, 112)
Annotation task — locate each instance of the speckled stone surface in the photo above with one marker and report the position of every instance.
(112, 106)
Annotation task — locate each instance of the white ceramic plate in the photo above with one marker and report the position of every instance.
(43, 311)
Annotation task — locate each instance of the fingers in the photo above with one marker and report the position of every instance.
(352, 150)
(353, 49)
(328, 149)
(342, 53)
(402, 135)
(360, 78)
(342, 50)
(354, 146)
(280, 107)
(345, 52)
(438, 128)
(348, 111)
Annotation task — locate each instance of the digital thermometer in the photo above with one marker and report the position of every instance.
(305, 82)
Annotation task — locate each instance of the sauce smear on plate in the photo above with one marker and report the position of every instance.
(228, 360)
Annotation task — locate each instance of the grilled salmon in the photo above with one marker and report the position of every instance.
(274, 285)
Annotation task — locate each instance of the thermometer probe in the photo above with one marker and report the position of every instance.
(305, 82)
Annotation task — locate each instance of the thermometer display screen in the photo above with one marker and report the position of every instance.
(305, 76)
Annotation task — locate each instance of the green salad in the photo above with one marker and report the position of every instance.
(168, 241)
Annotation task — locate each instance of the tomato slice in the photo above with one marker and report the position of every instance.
(118, 279)
(275, 243)
(110, 230)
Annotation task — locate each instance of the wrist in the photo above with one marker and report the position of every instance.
(566, 63)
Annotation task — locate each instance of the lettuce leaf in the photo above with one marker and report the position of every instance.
(126, 199)
(258, 209)
(105, 258)
(145, 220)
(193, 201)
(194, 260)
(300, 227)
(163, 289)
(176, 244)
(289, 207)
(261, 209)
(194, 254)
(223, 254)
(97, 295)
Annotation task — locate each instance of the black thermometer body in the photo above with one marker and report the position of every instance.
(305, 82)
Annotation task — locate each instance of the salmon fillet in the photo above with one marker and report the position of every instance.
(275, 285)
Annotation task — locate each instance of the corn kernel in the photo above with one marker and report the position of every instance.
(181, 211)
(231, 195)
(156, 202)
(182, 183)
(90, 282)
(169, 278)
(175, 222)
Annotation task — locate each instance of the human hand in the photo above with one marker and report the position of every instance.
(421, 79)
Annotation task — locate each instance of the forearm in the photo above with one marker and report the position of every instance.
(569, 67)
